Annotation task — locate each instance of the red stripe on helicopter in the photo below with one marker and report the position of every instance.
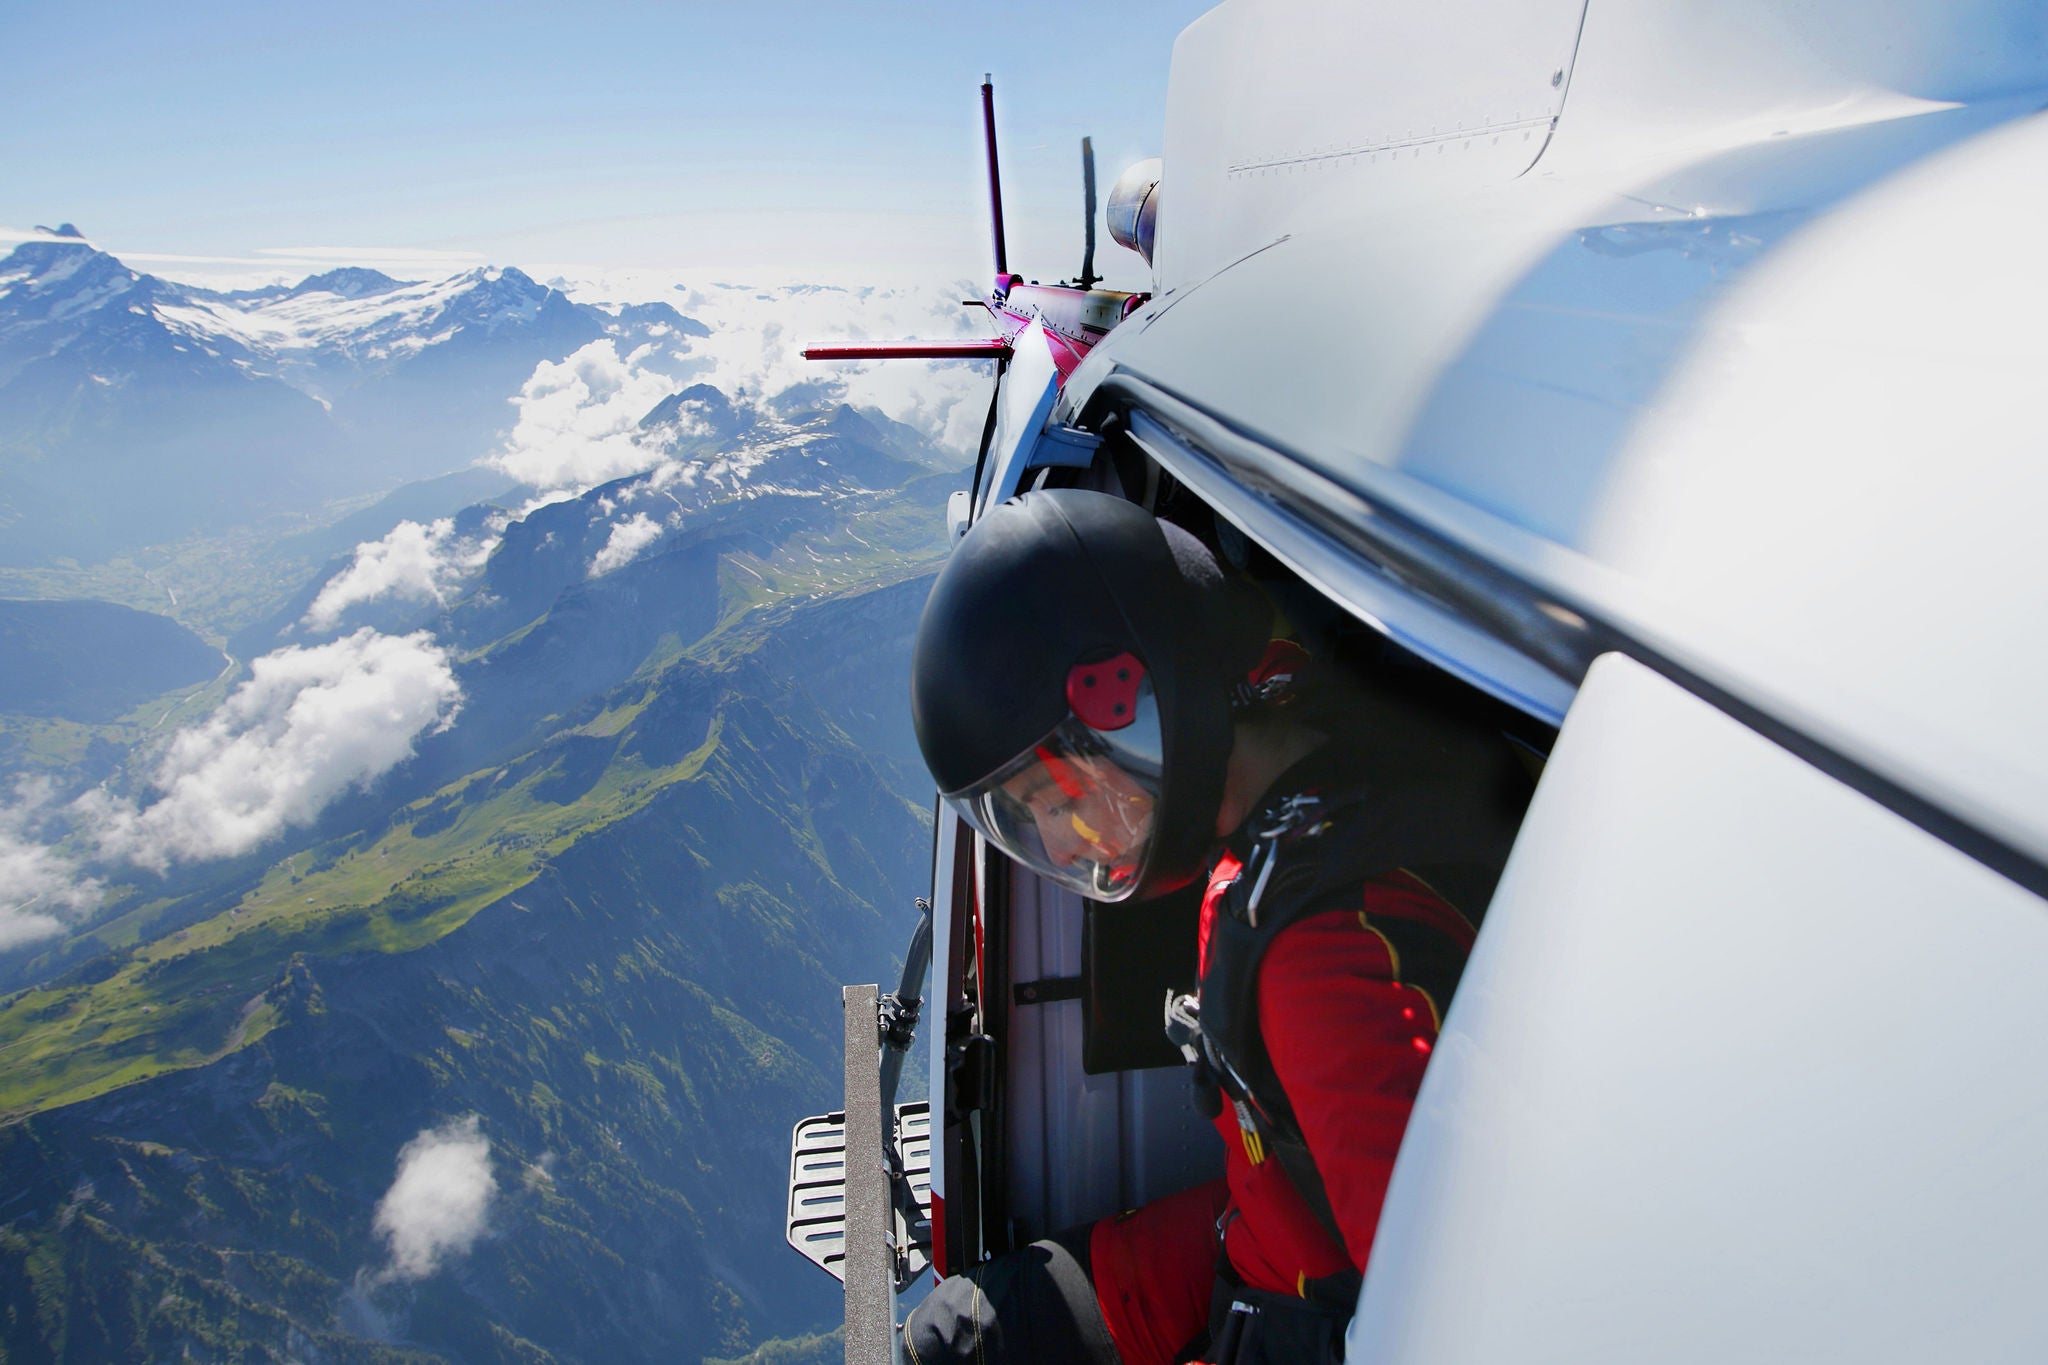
(979, 348)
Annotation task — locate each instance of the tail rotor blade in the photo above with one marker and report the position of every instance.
(995, 179)
(1088, 275)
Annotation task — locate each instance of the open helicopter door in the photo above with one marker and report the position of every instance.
(877, 1202)
(1747, 1060)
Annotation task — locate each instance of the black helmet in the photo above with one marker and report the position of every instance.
(1072, 686)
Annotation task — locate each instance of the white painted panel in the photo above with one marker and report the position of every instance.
(1743, 1068)
(1084, 1147)
(1669, 82)
(951, 840)
(1842, 486)
(1065, 1129)
(1766, 403)
(1278, 108)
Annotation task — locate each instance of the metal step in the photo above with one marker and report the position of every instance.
(816, 1224)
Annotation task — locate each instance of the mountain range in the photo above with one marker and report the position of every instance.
(136, 410)
(441, 980)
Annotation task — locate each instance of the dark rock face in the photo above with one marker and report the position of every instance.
(662, 315)
(349, 282)
(702, 406)
(853, 651)
(92, 661)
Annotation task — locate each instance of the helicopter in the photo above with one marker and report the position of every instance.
(1664, 374)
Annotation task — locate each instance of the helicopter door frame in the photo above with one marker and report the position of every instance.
(1547, 613)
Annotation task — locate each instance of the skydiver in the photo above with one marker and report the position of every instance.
(1099, 697)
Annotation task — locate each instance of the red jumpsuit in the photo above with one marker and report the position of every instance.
(1348, 1039)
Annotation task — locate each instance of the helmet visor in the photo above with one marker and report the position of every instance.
(1078, 805)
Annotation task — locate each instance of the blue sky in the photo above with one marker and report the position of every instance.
(832, 139)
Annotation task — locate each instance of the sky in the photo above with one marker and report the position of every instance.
(831, 141)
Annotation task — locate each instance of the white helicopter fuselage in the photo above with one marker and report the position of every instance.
(1673, 373)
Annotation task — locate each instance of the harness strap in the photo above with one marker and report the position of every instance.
(1293, 1155)
(1313, 854)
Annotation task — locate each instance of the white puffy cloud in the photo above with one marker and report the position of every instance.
(310, 723)
(623, 546)
(758, 333)
(415, 561)
(756, 347)
(440, 1201)
(41, 890)
(579, 419)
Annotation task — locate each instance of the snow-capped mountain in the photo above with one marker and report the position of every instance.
(58, 293)
(322, 333)
(703, 452)
(331, 330)
(135, 410)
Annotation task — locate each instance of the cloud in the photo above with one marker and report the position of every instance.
(579, 419)
(627, 540)
(412, 561)
(41, 890)
(310, 723)
(757, 335)
(756, 346)
(11, 235)
(375, 255)
(440, 1201)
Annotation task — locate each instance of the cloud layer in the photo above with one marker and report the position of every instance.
(579, 419)
(416, 561)
(312, 722)
(308, 724)
(41, 891)
(440, 1202)
(757, 338)
(624, 544)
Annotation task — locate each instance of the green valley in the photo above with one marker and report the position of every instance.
(600, 916)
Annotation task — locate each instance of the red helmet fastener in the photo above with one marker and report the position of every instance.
(1104, 694)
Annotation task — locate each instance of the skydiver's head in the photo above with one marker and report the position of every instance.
(1072, 689)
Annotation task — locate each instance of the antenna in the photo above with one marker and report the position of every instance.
(995, 179)
(1088, 275)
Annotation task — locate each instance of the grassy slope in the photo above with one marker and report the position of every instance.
(636, 1026)
(190, 998)
(204, 991)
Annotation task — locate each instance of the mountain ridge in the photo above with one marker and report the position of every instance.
(134, 410)
(589, 919)
(740, 989)
(609, 923)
